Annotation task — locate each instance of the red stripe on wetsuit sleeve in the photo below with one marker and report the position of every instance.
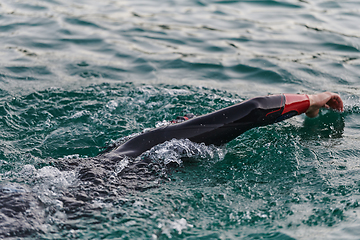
(281, 105)
(296, 102)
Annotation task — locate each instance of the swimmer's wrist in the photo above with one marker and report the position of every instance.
(313, 110)
(296, 102)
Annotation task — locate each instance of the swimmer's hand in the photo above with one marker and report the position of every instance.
(325, 99)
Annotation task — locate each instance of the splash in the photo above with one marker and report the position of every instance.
(172, 152)
(168, 226)
(48, 183)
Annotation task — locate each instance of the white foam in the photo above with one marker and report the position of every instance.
(167, 226)
(80, 114)
(49, 183)
(73, 156)
(162, 123)
(172, 151)
(14, 188)
(112, 105)
(121, 165)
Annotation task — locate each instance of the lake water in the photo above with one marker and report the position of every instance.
(76, 76)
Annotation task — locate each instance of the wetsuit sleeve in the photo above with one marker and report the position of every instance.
(220, 126)
(296, 102)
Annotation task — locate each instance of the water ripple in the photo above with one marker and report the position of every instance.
(78, 76)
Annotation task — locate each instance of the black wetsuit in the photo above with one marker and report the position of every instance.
(102, 178)
(220, 126)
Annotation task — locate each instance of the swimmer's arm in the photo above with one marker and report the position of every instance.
(270, 109)
(326, 99)
(226, 124)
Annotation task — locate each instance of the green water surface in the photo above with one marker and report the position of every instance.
(78, 76)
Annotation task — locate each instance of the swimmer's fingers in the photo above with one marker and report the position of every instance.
(335, 102)
(326, 99)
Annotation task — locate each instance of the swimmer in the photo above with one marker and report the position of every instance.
(224, 125)
(102, 177)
